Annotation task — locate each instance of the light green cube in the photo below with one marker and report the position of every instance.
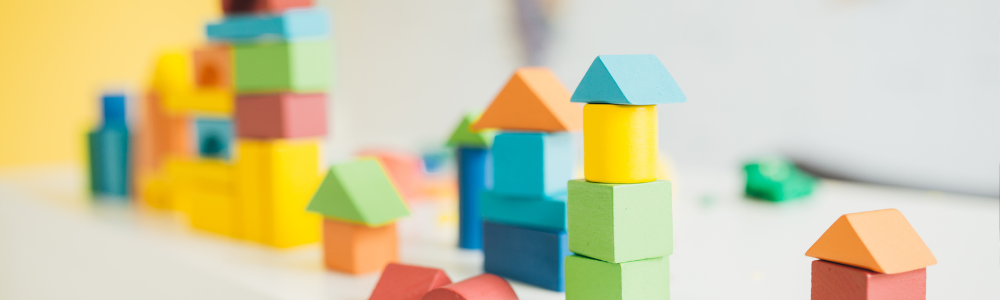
(620, 222)
(588, 278)
(298, 66)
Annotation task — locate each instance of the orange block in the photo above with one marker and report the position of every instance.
(404, 170)
(171, 134)
(358, 249)
(532, 100)
(213, 66)
(881, 241)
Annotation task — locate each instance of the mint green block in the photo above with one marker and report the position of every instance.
(282, 66)
(620, 222)
(591, 279)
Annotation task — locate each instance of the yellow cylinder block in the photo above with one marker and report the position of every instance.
(619, 143)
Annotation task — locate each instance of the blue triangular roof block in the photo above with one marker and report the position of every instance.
(639, 79)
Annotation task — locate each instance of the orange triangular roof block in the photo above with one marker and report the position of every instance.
(532, 100)
(881, 241)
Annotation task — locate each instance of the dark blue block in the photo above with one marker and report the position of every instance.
(109, 150)
(113, 109)
(524, 254)
(472, 178)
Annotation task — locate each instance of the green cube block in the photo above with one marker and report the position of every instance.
(620, 222)
(588, 278)
(300, 66)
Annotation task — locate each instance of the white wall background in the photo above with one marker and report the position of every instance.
(903, 92)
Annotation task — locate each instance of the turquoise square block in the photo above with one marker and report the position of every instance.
(532, 164)
(292, 24)
(547, 212)
(215, 137)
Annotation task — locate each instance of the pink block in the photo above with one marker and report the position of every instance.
(405, 170)
(482, 287)
(833, 281)
(277, 116)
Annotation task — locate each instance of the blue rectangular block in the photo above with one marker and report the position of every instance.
(215, 137)
(473, 167)
(108, 153)
(545, 212)
(527, 255)
(113, 109)
(532, 164)
(292, 24)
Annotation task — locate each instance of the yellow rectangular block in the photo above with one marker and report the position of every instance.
(276, 180)
(154, 190)
(189, 179)
(619, 143)
(213, 210)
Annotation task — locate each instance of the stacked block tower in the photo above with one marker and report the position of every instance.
(472, 150)
(524, 214)
(874, 255)
(108, 150)
(620, 216)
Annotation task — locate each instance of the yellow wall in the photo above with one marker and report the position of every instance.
(57, 56)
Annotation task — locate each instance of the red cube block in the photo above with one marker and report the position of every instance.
(231, 7)
(833, 281)
(279, 116)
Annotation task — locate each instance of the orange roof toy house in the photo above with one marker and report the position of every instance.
(360, 207)
(870, 255)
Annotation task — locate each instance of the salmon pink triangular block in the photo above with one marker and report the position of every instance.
(881, 241)
(404, 282)
(532, 100)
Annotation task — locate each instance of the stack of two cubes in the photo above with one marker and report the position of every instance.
(280, 55)
(620, 216)
(524, 227)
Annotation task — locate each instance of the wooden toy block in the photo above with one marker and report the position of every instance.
(191, 179)
(620, 222)
(881, 241)
(156, 191)
(172, 77)
(358, 192)
(358, 249)
(463, 136)
(269, 67)
(628, 79)
(170, 134)
(532, 164)
(213, 66)
(213, 206)
(113, 109)
(588, 278)
(405, 282)
(108, 152)
(292, 24)
(547, 212)
(472, 178)
(532, 100)
(619, 143)
(405, 171)
(281, 116)
(215, 137)
(275, 179)
(777, 179)
(231, 7)
(833, 281)
(527, 255)
(482, 287)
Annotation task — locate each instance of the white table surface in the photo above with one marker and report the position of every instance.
(54, 244)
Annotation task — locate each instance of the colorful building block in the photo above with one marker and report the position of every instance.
(482, 287)
(777, 179)
(473, 175)
(213, 66)
(881, 241)
(232, 7)
(528, 255)
(281, 116)
(113, 109)
(269, 67)
(405, 171)
(171, 134)
(619, 143)
(548, 212)
(358, 192)
(358, 249)
(463, 136)
(215, 137)
(209, 186)
(108, 152)
(833, 281)
(405, 282)
(533, 100)
(174, 85)
(275, 179)
(628, 79)
(620, 222)
(532, 164)
(588, 278)
(291, 24)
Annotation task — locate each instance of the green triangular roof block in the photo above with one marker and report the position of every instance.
(463, 136)
(639, 79)
(358, 192)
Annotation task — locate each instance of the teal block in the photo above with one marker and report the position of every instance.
(620, 222)
(281, 67)
(628, 79)
(215, 137)
(292, 24)
(532, 164)
(591, 279)
(109, 150)
(546, 212)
